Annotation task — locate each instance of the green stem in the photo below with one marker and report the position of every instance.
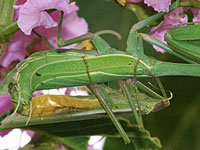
(2, 49)
(7, 31)
(6, 12)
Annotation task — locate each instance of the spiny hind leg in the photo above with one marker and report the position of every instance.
(131, 100)
(136, 93)
(94, 89)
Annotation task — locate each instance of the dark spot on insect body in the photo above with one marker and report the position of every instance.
(60, 50)
(37, 74)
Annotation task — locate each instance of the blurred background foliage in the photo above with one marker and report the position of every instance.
(177, 126)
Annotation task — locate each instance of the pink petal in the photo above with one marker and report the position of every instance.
(170, 20)
(37, 93)
(61, 148)
(2, 70)
(196, 13)
(5, 132)
(159, 5)
(72, 27)
(90, 147)
(20, 2)
(32, 14)
(30, 133)
(16, 49)
(5, 106)
(69, 90)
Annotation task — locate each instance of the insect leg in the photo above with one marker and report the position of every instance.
(136, 90)
(165, 102)
(44, 39)
(18, 104)
(137, 115)
(30, 113)
(103, 103)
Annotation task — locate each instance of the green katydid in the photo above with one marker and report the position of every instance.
(185, 40)
(52, 104)
(50, 78)
(72, 58)
(102, 68)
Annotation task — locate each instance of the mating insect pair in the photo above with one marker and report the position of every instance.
(64, 68)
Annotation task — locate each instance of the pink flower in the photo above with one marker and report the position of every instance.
(174, 18)
(32, 14)
(134, 1)
(90, 147)
(171, 19)
(73, 26)
(5, 106)
(159, 5)
(16, 49)
(6, 103)
(61, 148)
(69, 90)
(196, 13)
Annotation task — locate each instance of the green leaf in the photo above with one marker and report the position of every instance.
(41, 142)
(100, 126)
(75, 143)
